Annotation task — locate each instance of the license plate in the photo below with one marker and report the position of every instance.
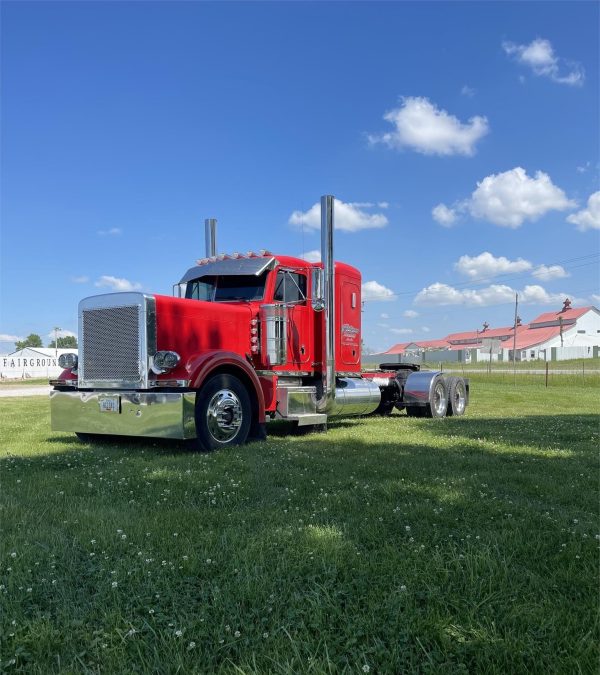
(110, 404)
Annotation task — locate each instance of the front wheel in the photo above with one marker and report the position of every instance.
(222, 413)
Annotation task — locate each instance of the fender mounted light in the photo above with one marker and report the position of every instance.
(164, 361)
(68, 361)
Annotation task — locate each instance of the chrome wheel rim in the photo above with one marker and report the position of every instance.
(460, 399)
(440, 402)
(224, 415)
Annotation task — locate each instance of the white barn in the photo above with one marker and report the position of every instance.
(32, 362)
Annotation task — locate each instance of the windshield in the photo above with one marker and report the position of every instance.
(226, 288)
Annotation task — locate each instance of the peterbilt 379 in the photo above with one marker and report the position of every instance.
(245, 339)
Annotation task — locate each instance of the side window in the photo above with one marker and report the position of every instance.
(290, 287)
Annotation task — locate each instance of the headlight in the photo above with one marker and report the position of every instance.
(164, 361)
(68, 361)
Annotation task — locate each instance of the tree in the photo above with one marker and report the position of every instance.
(32, 340)
(66, 342)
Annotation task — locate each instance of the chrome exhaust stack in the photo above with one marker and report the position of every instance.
(327, 400)
(210, 237)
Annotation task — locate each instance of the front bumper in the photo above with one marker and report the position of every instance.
(156, 414)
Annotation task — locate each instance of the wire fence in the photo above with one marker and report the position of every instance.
(583, 373)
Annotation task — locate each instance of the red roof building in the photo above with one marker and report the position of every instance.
(574, 328)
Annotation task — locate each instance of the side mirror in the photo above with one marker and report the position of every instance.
(317, 289)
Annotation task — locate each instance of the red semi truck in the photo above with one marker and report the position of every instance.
(244, 340)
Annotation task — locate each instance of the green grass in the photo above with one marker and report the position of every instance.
(24, 382)
(395, 545)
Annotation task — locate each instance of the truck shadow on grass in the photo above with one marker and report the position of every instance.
(553, 436)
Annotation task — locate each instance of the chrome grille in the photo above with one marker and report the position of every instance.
(111, 344)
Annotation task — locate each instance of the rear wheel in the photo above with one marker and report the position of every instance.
(222, 413)
(457, 396)
(438, 399)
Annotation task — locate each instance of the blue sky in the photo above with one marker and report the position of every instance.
(461, 138)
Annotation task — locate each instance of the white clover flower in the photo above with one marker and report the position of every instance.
(178, 633)
(114, 584)
(366, 668)
(191, 645)
(237, 634)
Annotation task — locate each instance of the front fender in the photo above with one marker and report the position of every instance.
(202, 366)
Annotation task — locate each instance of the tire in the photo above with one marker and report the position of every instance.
(438, 399)
(457, 396)
(222, 414)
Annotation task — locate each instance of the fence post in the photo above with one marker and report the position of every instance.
(583, 370)
(546, 373)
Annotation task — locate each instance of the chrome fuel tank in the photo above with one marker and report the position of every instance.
(354, 396)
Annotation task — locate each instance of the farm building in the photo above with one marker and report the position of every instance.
(32, 362)
(570, 333)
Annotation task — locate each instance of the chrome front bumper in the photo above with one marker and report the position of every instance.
(156, 415)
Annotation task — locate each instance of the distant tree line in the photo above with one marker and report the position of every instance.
(34, 340)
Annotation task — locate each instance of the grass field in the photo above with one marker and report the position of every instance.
(390, 545)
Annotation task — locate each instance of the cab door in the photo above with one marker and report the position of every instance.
(350, 333)
(290, 288)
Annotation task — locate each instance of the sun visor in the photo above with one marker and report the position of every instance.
(231, 267)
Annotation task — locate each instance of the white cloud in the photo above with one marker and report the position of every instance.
(439, 294)
(549, 272)
(596, 298)
(467, 91)
(80, 280)
(426, 329)
(444, 215)
(312, 256)
(61, 333)
(112, 232)
(401, 331)
(383, 315)
(423, 127)
(509, 198)
(383, 205)
(117, 284)
(584, 167)
(410, 314)
(588, 219)
(540, 57)
(5, 337)
(374, 291)
(349, 217)
(485, 265)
